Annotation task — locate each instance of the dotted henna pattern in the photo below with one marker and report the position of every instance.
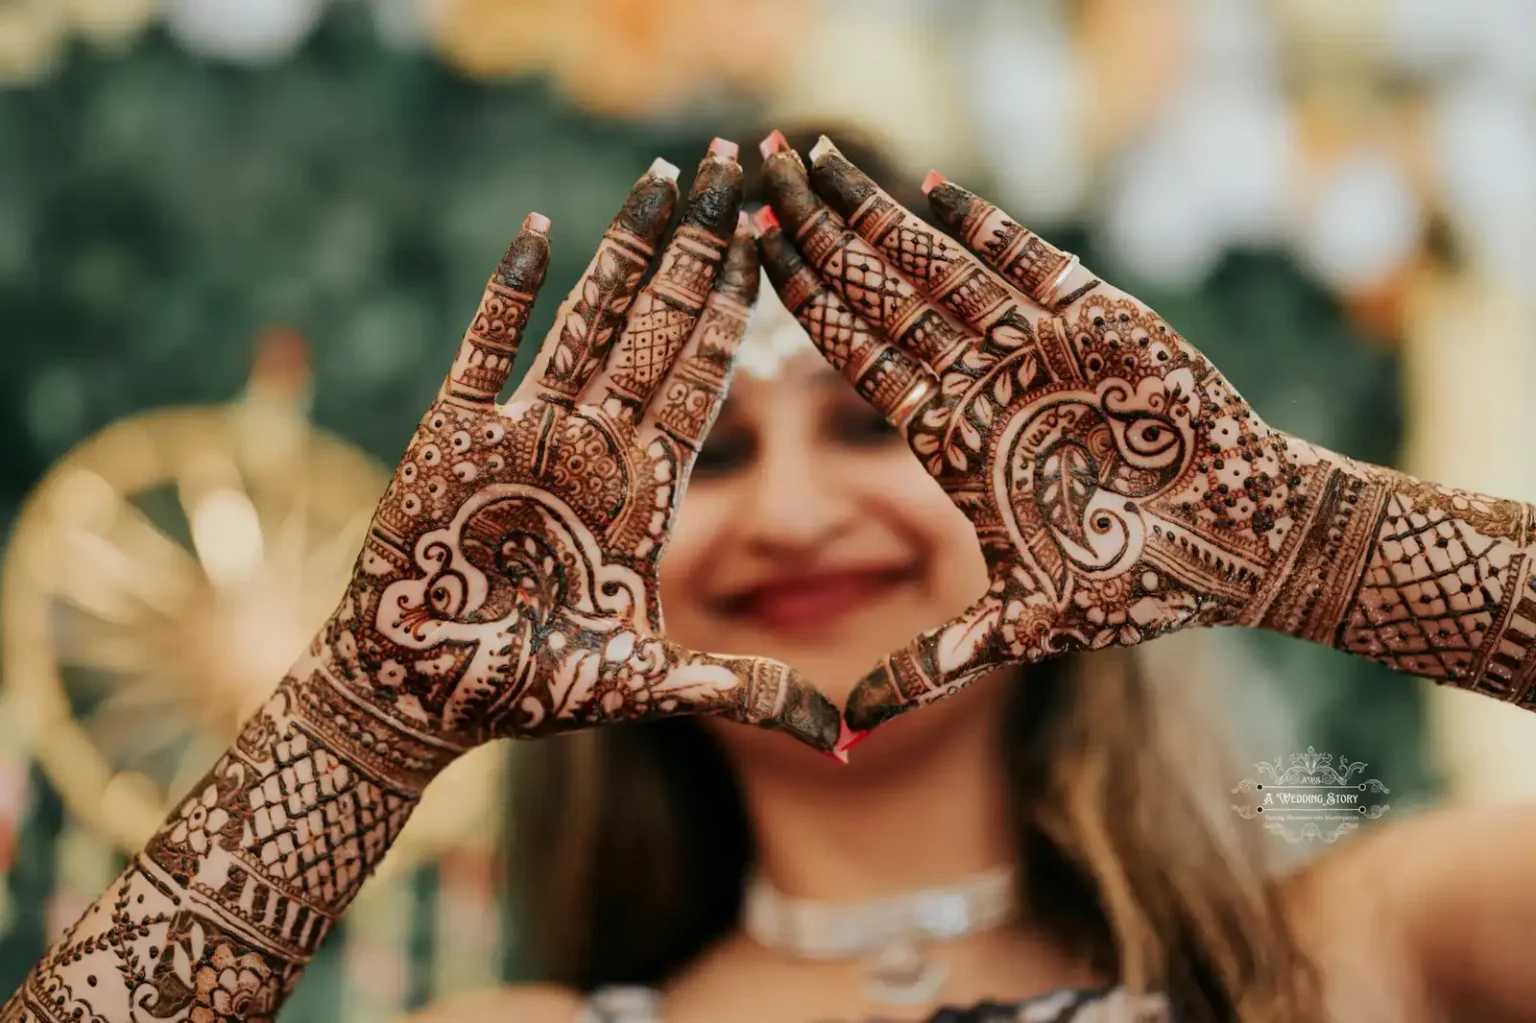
(507, 588)
(1120, 487)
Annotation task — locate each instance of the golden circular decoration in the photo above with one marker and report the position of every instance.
(161, 579)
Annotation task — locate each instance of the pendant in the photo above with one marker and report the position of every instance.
(900, 975)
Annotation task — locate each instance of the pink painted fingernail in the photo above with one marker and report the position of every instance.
(839, 755)
(723, 149)
(663, 170)
(764, 220)
(847, 739)
(742, 220)
(774, 143)
(537, 223)
(932, 181)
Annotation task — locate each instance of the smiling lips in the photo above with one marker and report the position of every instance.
(800, 603)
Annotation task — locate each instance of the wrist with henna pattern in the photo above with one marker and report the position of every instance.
(1120, 487)
(1426, 579)
(506, 589)
(216, 918)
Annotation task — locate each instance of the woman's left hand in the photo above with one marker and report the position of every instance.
(1119, 486)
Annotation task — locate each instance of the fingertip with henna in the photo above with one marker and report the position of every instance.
(789, 190)
(663, 169)
(838, 181)
(523, 266)
(764, 220)
(774, 142)
(950, 203)
(781, 260)
(809, 716)
(648, 209)
(739, 277)
(824, 147)
(714, 199)
(873, 702)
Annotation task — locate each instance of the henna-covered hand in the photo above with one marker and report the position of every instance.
(1120, 487)
(507, 588)
(508, 585)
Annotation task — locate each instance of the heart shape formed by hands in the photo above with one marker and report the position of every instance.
(1119, 487)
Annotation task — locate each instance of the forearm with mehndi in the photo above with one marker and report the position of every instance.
(1426, 579)
(1120, 487)
(219, 914)
(506, 588)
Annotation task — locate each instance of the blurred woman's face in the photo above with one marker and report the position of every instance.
(809, 532)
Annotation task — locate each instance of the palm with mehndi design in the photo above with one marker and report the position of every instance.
(1068, 430)
(1119, 486)
(508, 585)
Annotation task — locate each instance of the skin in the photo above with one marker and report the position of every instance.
(1420, 921)
(469, 619)
(1120, 487)
(507, 588)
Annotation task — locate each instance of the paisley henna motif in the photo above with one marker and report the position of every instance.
(1119, 486)
(507, 588)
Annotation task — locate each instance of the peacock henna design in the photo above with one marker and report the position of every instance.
(507, 588)
(1119, 486)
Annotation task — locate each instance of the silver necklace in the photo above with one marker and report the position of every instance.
(889, 934)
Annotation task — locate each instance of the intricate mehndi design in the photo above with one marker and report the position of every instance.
(507, 588)
(1119, 486)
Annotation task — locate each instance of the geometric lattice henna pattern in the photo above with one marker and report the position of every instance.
(507, 588)
(1119, 486)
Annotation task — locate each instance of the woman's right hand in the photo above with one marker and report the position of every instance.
(508, 582)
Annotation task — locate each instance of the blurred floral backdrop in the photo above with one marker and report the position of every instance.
(1316, 192)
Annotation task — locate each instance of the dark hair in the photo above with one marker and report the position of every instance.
(630, 844)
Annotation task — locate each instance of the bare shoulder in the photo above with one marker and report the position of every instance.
(1343, 912)
(1435, 899)
(526, 1003)
(1393, 865)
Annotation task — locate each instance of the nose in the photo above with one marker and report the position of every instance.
(792, 508)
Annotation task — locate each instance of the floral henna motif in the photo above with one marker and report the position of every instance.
(597, 309)
(669, 308)
(507, 588)
(1119, 486)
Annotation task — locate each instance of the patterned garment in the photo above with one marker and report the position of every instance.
(1069, 1005)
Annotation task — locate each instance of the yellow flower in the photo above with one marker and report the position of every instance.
(621, 57)
(495, 38)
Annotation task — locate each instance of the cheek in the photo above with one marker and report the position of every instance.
(699, 521)
(918, 507)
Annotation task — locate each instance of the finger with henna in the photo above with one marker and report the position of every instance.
(490, 344)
